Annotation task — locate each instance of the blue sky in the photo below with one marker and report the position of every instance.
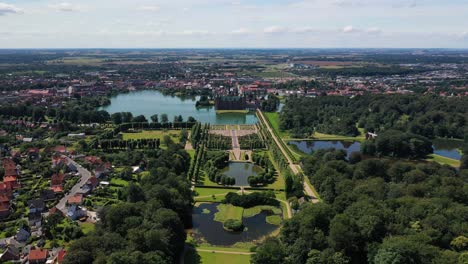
(233, 24)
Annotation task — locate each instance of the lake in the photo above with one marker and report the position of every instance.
(212, 231)
(152, 102)
(308, 146)
(241, 171)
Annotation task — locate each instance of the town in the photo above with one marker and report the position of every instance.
(206, 156)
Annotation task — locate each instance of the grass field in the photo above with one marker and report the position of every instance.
(119, 182)
(273, 118)
(322, 136)
(249, 212)
(153, 134)
(228, 211)
(444, 160)
(202, 257)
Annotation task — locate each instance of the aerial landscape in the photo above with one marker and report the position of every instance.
(261, 145)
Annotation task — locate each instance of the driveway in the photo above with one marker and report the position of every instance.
(85, 176)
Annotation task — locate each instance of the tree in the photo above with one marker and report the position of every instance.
(464, 162)
(116, 118)
(271, 251)
(164, 118)
(140, 119)
(154, 118)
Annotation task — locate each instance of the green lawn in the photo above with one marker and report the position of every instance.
(228, 211)
(202, 257)
(249, 212)
(443, 160)
(153, 134)
(200, 191)
(119, 182)
(322, 136)
(274, 219)
(87, 227)
(273, 118)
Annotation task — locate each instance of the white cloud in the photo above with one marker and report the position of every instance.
(274, 29)
(374, 30)
(304, 30)
(241, 31)
(65, 7)
(9, 9)
(349, 29)
(151, 8)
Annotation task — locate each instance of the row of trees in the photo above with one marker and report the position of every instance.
(252, 141)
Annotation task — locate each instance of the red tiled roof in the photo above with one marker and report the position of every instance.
(75, 199)
(10, 178)
(61, 255)
(4, 199)
(57, 188)
(38, 254)
(57, 179)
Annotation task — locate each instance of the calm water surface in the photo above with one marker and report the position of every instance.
(148, 103)
(214, 233)
(241, 171)
(311, 146)
(445, 148)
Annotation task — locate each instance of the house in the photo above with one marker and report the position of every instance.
(76, 199)
(47, 195)
(74, 212)
(36, 206)
(35, 220)
(22, 235)
(62, 150)
(56, 182)
(11, 181)
(61, 256)
(9, 166)
(38, 256)
(80, 135)
(4, 206)
(33, 153)
(11, 253)
(5, 189)
(92, 183)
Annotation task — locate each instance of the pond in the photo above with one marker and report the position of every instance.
(442, 147)
(308, 146)
(212, 231)
(447, 148)
(152, 102)
(241, 171)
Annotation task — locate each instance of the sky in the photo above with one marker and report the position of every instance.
(234, 24)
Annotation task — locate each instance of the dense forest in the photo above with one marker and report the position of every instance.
(376, 211)
(148, 226)
(427, 116)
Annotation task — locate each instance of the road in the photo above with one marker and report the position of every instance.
(294, 167)
(85, 176)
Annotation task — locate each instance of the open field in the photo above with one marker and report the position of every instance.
(153, 134)
(443, 160)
